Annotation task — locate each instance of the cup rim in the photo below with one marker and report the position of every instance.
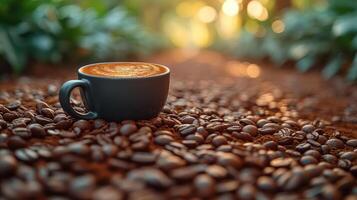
(124, 78)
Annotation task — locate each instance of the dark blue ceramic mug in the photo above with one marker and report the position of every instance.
(117, 98)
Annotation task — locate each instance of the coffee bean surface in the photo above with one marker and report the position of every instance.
(214, 139)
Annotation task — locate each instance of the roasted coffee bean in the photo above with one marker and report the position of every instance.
(150, 176)
(351, 155)
(219, 140)
(313, 153)
(8, 165)
(163, 139)
(306, 160)
(216, 171)
(330, 158)
(48, 112)
(13, 105)
(308, 128)
(281, 162)
(21, 122)
(3, 124)
(186, 129)
(10, 116)
(82, 187)
(16, 142)
(143, 157)
(37, 130)
(204, 185)
(127, 129)
(303, 147)
(266, 183)
(107, 192)
(335, 143)
(82, 124)
(352, 142)
(271, 145)
(252, 130)
(43, 120)
(22, 132)
(246, 192)
(242, 136)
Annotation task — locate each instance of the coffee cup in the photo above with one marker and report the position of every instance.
(116, 91)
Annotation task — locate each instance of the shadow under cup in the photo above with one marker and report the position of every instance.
(118, 98)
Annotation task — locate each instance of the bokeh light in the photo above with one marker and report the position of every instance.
(230, 7)
(243, 69)
(256, 10)
(207, 14)
(278, 26)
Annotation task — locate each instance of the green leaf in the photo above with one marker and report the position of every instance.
(305, 63)
(12, 48)
(345, 24)
(352, 72)
(332, 67)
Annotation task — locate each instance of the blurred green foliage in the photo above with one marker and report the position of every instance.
(313, 36)
(64, 31)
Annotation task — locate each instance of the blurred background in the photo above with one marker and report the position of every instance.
(308, 34)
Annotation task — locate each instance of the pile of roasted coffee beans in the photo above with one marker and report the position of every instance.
(211, 141)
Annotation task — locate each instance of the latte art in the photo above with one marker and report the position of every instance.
(124, 70)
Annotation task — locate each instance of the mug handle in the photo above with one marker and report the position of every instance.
(65, 95)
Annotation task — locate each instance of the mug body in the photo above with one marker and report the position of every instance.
(122, 98)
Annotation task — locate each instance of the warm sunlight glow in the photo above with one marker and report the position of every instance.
(239, 69)
(177, 33)
(207, 14)
(188, 8)
(256, 10)
(228, 26)
(230, 7)
(201, 36)
(253, 71)
(278, 26)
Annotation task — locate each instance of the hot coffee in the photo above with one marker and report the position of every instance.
(123, 69)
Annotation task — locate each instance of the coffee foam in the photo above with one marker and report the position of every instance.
(124, 69)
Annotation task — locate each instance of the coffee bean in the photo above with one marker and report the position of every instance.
(186, 129)
(16, 142)
(82, 124)
(246, 192)
(219, 140)
(350, 155)
(227, 186)
(281, 162)
(10, 116)
(40, 105)
(329, 158)
(330, 192)
(204, 185)
(22, 132)
(266, 183)
(313, 153)
(216, 171)
(252, 130)
(271, 145)
(352, 142)
(8, 165)
(43, 120)
(13, 105)
(163, 139)
(150, 176)
(82, 186)
(143, 157)
(48, 112)
(107, 192)
(21, 122)
(37, 130)
(308, 128)
(243, 136)
(306, 160)
(303, 147)
(128, 129)
(335, 143)
(344, 164)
